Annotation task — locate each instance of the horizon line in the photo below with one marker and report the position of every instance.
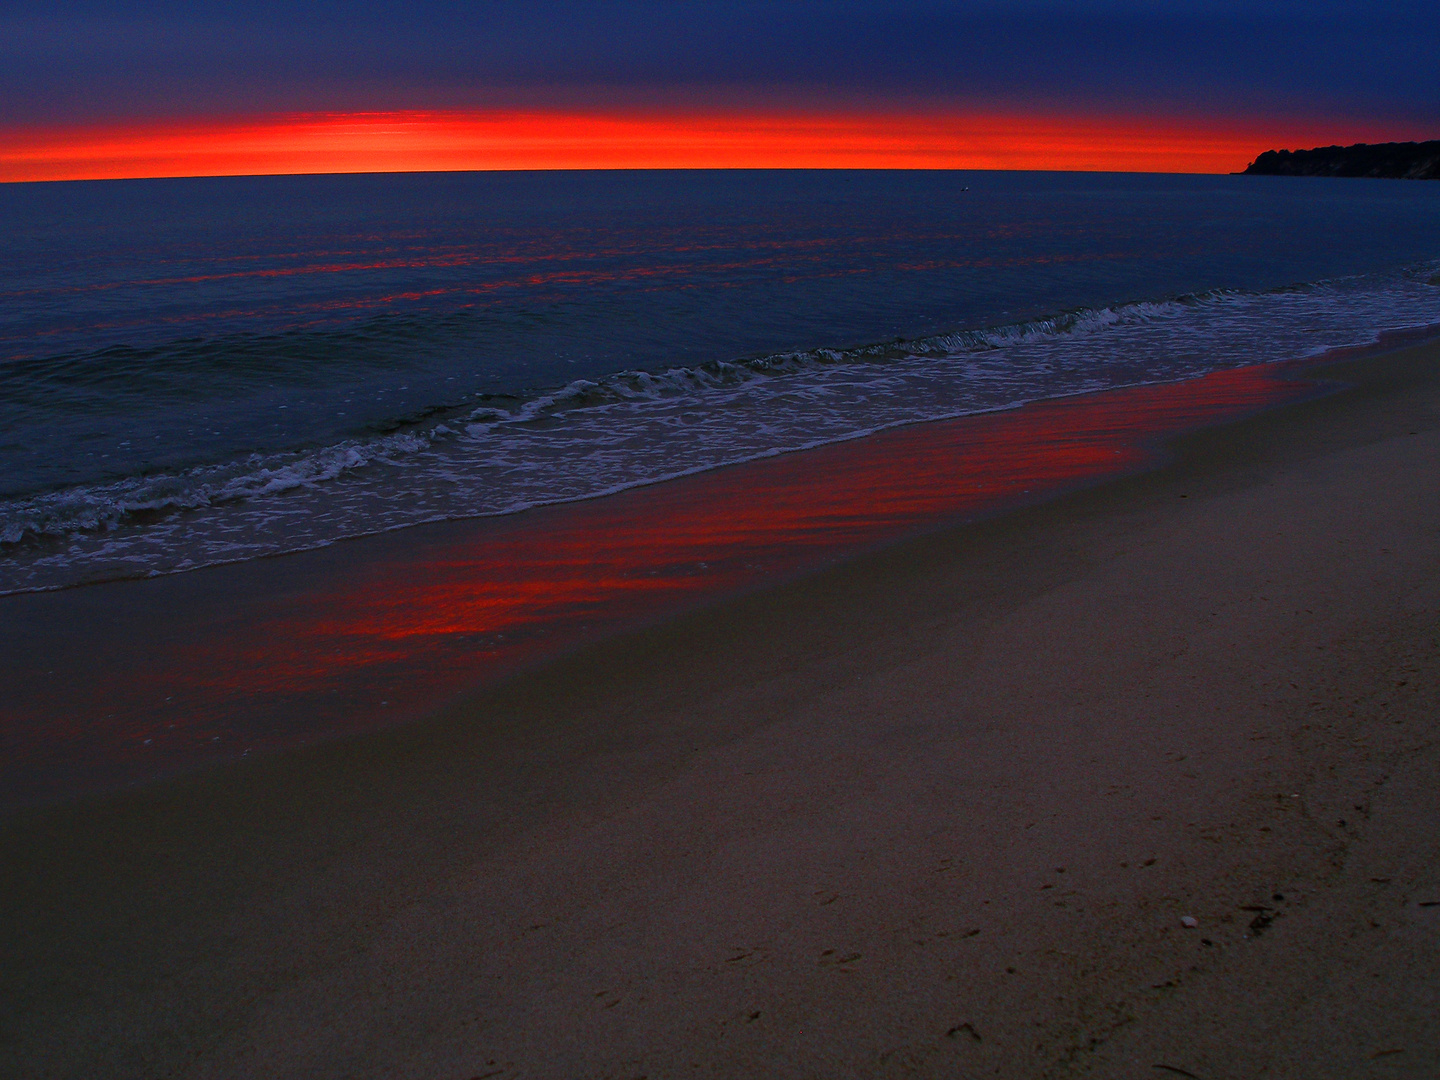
(437, 141)
(611, 168)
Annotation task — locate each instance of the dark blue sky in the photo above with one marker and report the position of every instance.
(1325, 60)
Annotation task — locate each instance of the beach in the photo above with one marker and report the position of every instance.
(946, 808)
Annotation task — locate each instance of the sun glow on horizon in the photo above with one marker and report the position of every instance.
(512, 140)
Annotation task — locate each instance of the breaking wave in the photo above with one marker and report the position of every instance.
(498, 454)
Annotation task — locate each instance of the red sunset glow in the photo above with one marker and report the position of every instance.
(449, 141)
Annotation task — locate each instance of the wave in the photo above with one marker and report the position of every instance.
(501, 453)
(105, 506)
(195, 367)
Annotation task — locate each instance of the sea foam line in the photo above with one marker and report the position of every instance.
(466, 447)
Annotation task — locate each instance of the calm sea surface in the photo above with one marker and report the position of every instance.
(202, 371)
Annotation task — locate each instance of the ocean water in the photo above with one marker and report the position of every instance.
(204, 371)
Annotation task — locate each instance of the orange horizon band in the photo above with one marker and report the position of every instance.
(464, 141)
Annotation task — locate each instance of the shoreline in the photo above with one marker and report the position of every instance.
(820, 828)
(161, 676)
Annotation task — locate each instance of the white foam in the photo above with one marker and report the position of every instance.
(593, 437)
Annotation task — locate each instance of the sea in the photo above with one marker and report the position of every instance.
(206, 371)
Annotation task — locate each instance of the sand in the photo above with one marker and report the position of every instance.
(939, 811)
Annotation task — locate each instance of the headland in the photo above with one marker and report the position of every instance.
(1400, 161)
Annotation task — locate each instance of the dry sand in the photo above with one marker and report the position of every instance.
(936, 812)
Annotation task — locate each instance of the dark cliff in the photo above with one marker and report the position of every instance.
(1405, 161)
(1398, 160)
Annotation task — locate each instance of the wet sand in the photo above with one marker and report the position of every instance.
(129, 681)
(938, 811)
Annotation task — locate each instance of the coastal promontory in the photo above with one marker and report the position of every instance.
(1403, 161)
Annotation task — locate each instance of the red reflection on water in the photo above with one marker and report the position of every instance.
(413, 625)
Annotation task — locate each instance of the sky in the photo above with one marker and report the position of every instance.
(152, 87)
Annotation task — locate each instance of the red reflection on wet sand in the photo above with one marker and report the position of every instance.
(643, 552)
(401, 628)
